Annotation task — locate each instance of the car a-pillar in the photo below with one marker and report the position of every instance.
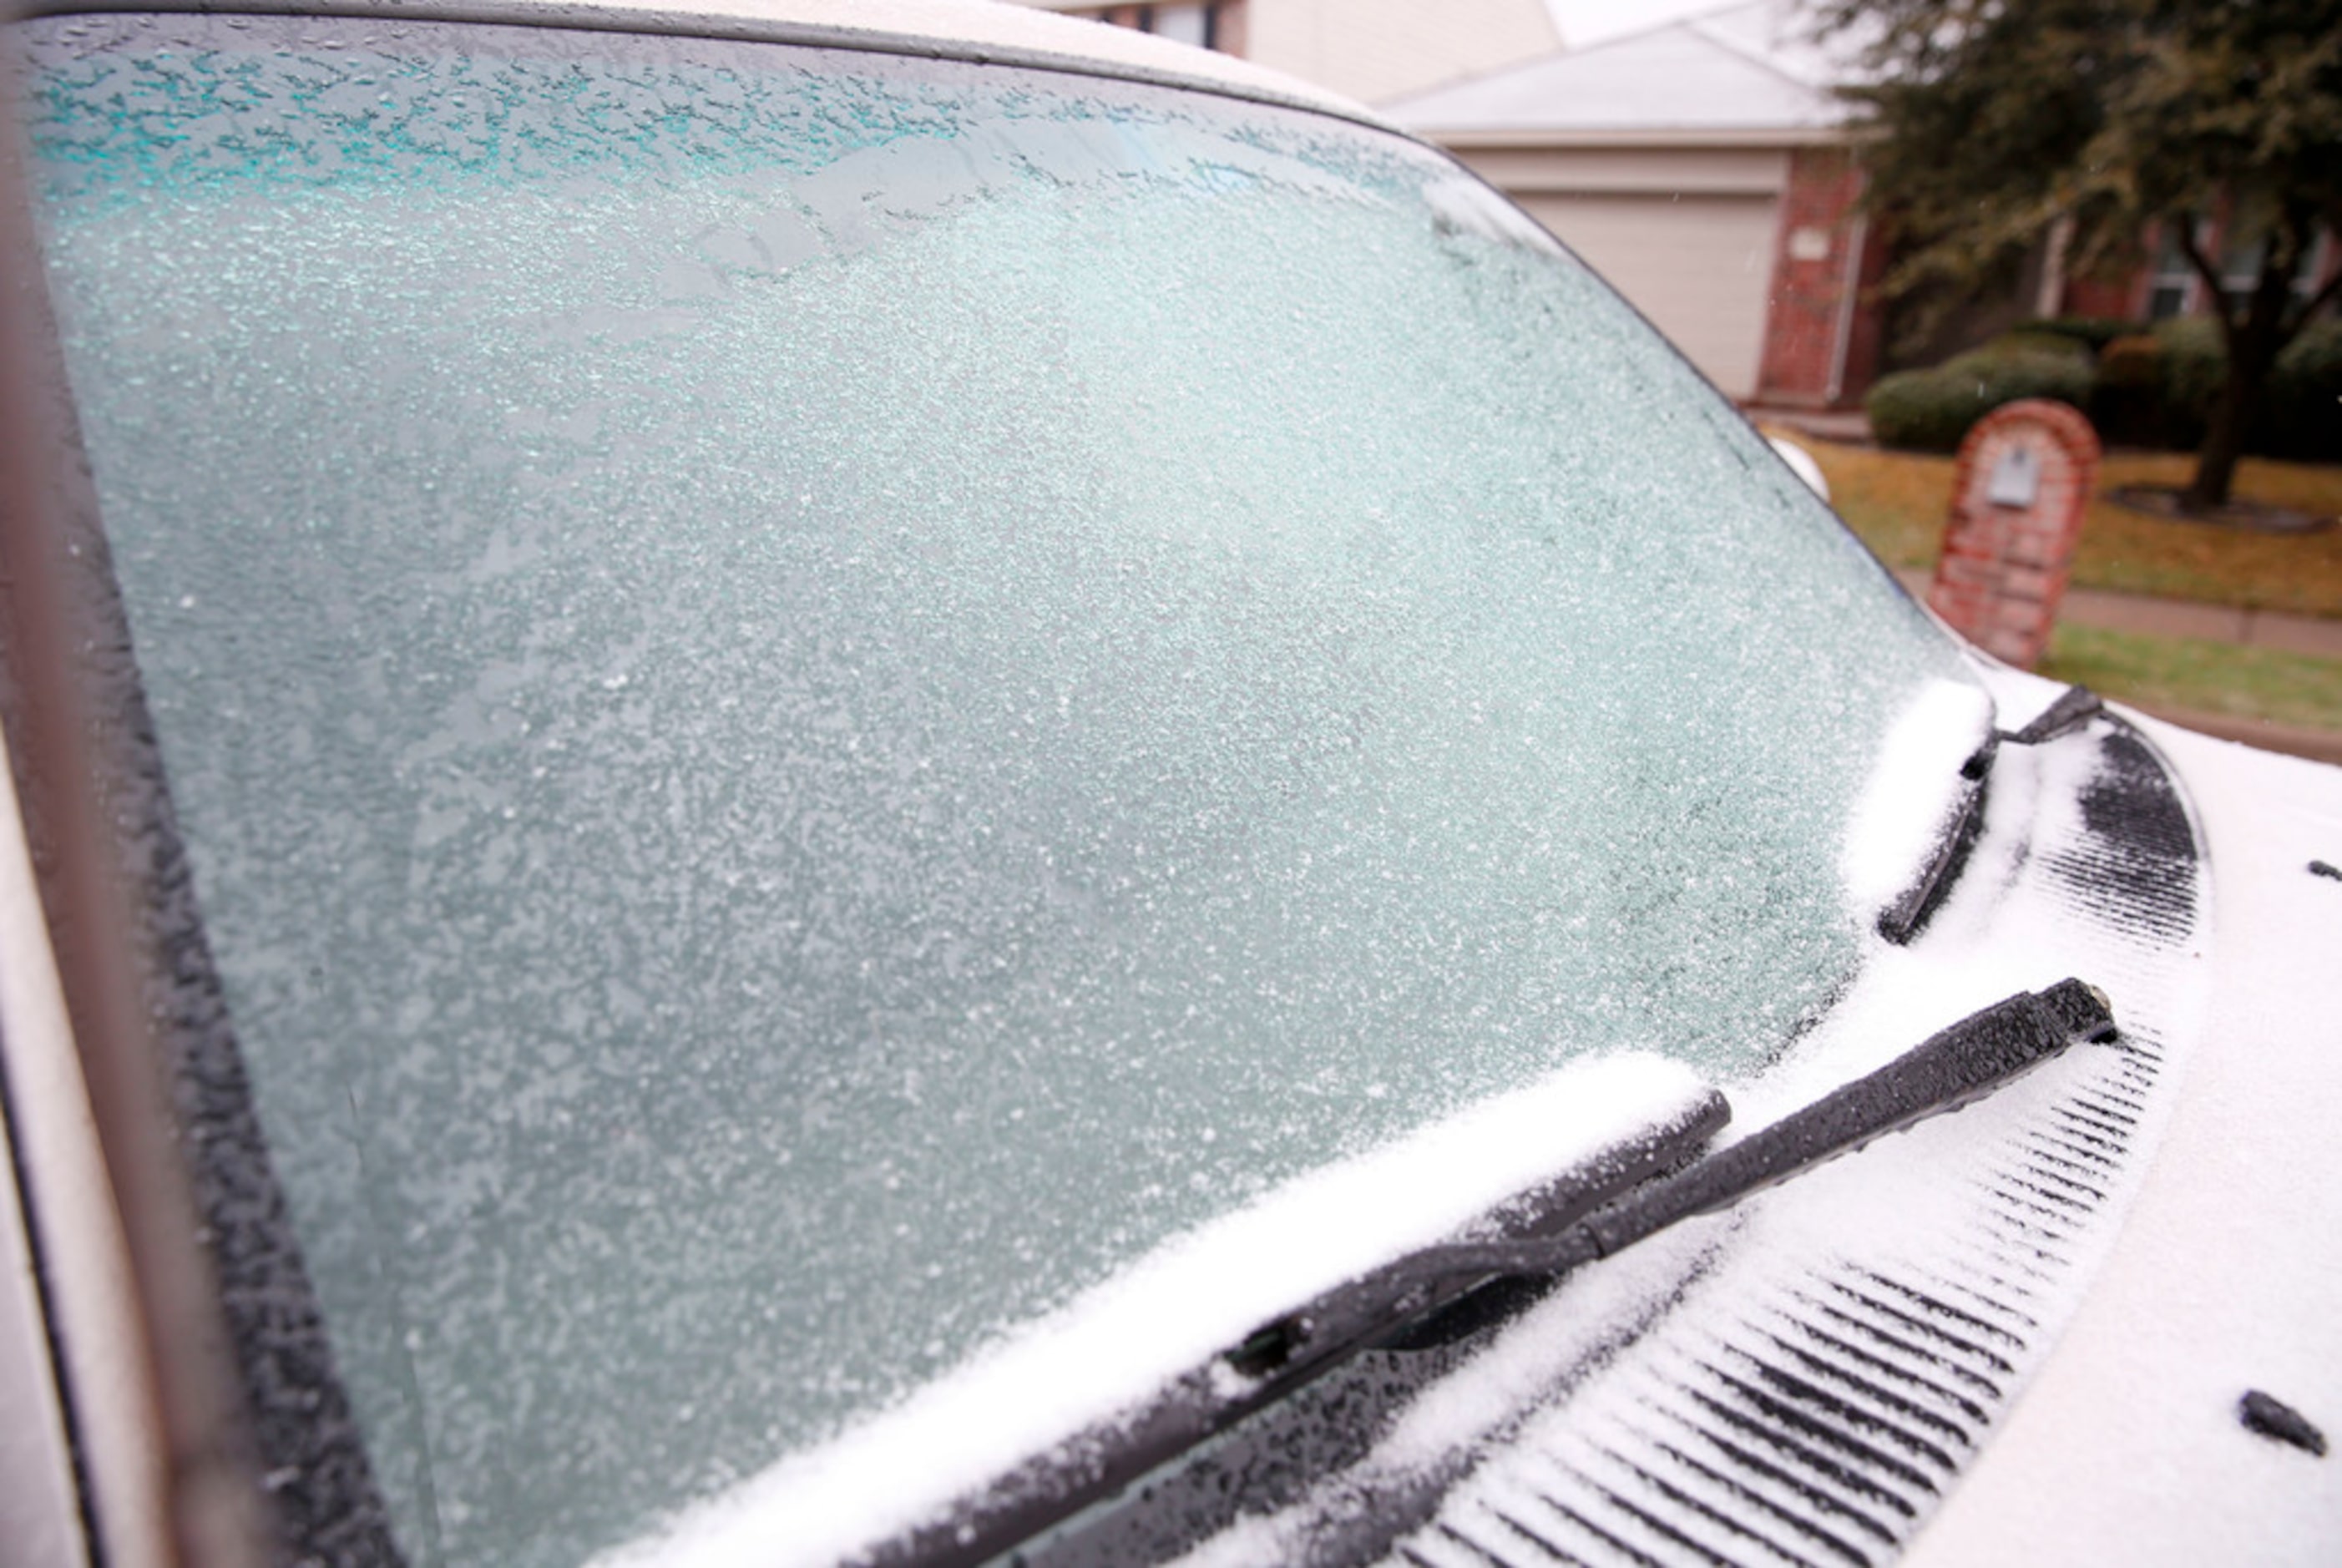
(2024, 474)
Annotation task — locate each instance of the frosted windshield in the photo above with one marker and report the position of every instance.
(817, 696)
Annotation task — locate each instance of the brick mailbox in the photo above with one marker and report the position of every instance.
(2024, 474)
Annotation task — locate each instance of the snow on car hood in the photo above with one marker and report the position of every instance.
(2228, 1275)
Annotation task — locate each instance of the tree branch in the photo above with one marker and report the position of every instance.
(2185, 227)
(2326, 294)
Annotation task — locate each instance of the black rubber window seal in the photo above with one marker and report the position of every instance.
(263, 1459)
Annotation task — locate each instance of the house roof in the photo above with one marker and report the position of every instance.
(1747, 72)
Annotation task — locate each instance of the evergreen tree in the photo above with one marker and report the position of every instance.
(1997, 122)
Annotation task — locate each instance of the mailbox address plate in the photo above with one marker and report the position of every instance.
(2016, 479)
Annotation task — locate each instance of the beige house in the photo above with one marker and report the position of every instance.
(1370, 50)
(1702, 167)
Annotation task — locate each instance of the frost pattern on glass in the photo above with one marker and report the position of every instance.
(818, 696)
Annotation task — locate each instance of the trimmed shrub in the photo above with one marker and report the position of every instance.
(2092, 331)
(2154, 387)
(2195, 366)
(2128, 404)
(1916, 410)
(2135, 361)
(2301, 407)
(1913, 410)
(1931, 410)
(2302, 417)
(2032, 340)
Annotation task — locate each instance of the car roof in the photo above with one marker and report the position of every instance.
(982, 30)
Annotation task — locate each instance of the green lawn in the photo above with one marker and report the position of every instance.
(2209, 677)
(1898, 500)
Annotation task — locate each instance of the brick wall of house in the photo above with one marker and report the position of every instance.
(1232, 28)
(2117, 299)
(2125, 294)
(1866, 350)
(1812, 264)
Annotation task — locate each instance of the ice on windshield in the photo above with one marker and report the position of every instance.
(1172, 1312)
(819, 697)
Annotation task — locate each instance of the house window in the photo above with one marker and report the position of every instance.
(2241, 269)
(1195, 24)
(2172, 286)
(2174, 289)
(1182, 24)
(2315, 266)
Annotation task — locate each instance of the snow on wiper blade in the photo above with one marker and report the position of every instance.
(1208, 1398)
(1951, 1068)
(1636, 1189)
(1902, 919)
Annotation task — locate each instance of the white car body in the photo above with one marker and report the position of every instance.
(2205, 1262)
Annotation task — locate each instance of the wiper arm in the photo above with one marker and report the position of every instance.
(1949, 1069)
(1210, 1398)
(1643, 1189)
(2075, 706)
(1900, 921)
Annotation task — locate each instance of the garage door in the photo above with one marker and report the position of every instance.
(1697, 266)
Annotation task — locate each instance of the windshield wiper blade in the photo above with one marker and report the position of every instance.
(1643, 1187)
(1902, 920)
(1050, 1488)
(2075, 706)
(1951, 1068)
